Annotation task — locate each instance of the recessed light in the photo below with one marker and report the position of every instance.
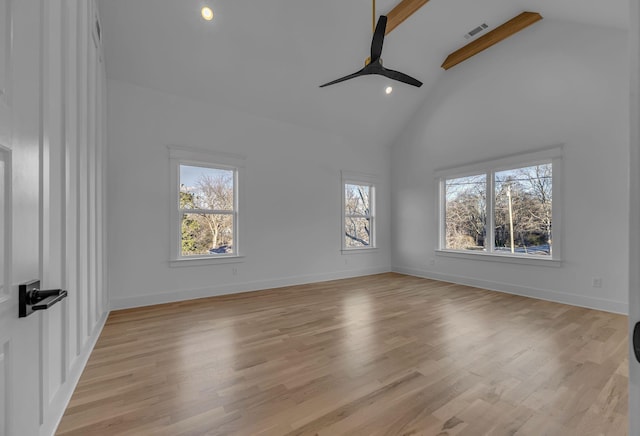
(207, 13)
(389, 90)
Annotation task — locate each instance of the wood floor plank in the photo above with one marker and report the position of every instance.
(380, 355)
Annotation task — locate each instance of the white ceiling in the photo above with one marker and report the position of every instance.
(268, 57)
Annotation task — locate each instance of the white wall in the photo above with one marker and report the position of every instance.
(291, 198)
(554, 83)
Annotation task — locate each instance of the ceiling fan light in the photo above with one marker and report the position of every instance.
(207, 13)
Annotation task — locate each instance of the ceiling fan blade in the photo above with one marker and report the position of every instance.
(400, 77)
(342, 79)
(378, 38)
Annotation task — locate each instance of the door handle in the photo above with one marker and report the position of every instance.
(636, 341)
(31, 298)
(42, 300)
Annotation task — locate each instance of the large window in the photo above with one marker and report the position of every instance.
(503, 208)
(205, 205)
(358, 201)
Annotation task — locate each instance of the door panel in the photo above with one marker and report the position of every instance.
(5, 295)
(91, 300)
(52, 201)
(70, 57)
(82, 168)
(24, 359)
(5, 70)
(5, 44)
(4, 377)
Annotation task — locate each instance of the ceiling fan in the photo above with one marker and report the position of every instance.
(373, 65)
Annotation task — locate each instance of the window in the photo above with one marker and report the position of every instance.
(205, 204)
(358, 202)
(503, 208)
(207, 208)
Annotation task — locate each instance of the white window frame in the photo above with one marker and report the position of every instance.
(190, 156)
(354, 178)
(553, 155)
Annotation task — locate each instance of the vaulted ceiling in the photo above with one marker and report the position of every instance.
(268, 57)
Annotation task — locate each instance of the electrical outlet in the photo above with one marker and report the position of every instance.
(432, 262)
(234, 271)
(596, 282)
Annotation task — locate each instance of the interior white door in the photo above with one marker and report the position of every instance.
(51, 204)
(19, 121)
(6, 300)
(20, 195)
(634, 230)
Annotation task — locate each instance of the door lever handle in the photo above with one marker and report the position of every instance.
(32, 298)
(36, 295)
(46, 299)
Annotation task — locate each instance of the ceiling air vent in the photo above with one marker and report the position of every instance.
(475, 31)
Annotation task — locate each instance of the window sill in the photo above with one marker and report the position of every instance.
(504, 258)
(202, 261)
(359, 250)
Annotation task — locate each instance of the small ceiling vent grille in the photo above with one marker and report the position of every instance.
(475, 31)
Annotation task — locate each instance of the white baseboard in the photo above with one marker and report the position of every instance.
(235, 288)
(64, 394)
(541, 294)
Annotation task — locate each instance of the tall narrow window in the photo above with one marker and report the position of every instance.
(358, 214)
(466, 212)
(205, 202)
(522, 210)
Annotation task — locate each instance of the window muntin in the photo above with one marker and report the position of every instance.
(359, 226)
(207, 210)
(532, 181)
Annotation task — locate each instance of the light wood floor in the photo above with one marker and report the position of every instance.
(385, 354)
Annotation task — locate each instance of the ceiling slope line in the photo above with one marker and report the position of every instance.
(498, 34)
(401, 12)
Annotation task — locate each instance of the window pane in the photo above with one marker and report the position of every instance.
(523, 210)
(357, 232)
(207, 234)
(465, 212)
(206, 188)
(357, 199)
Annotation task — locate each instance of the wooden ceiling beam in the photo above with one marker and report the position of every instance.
(401, 12)
(498, 34)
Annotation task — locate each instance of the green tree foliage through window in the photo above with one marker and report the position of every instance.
(207, 209)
